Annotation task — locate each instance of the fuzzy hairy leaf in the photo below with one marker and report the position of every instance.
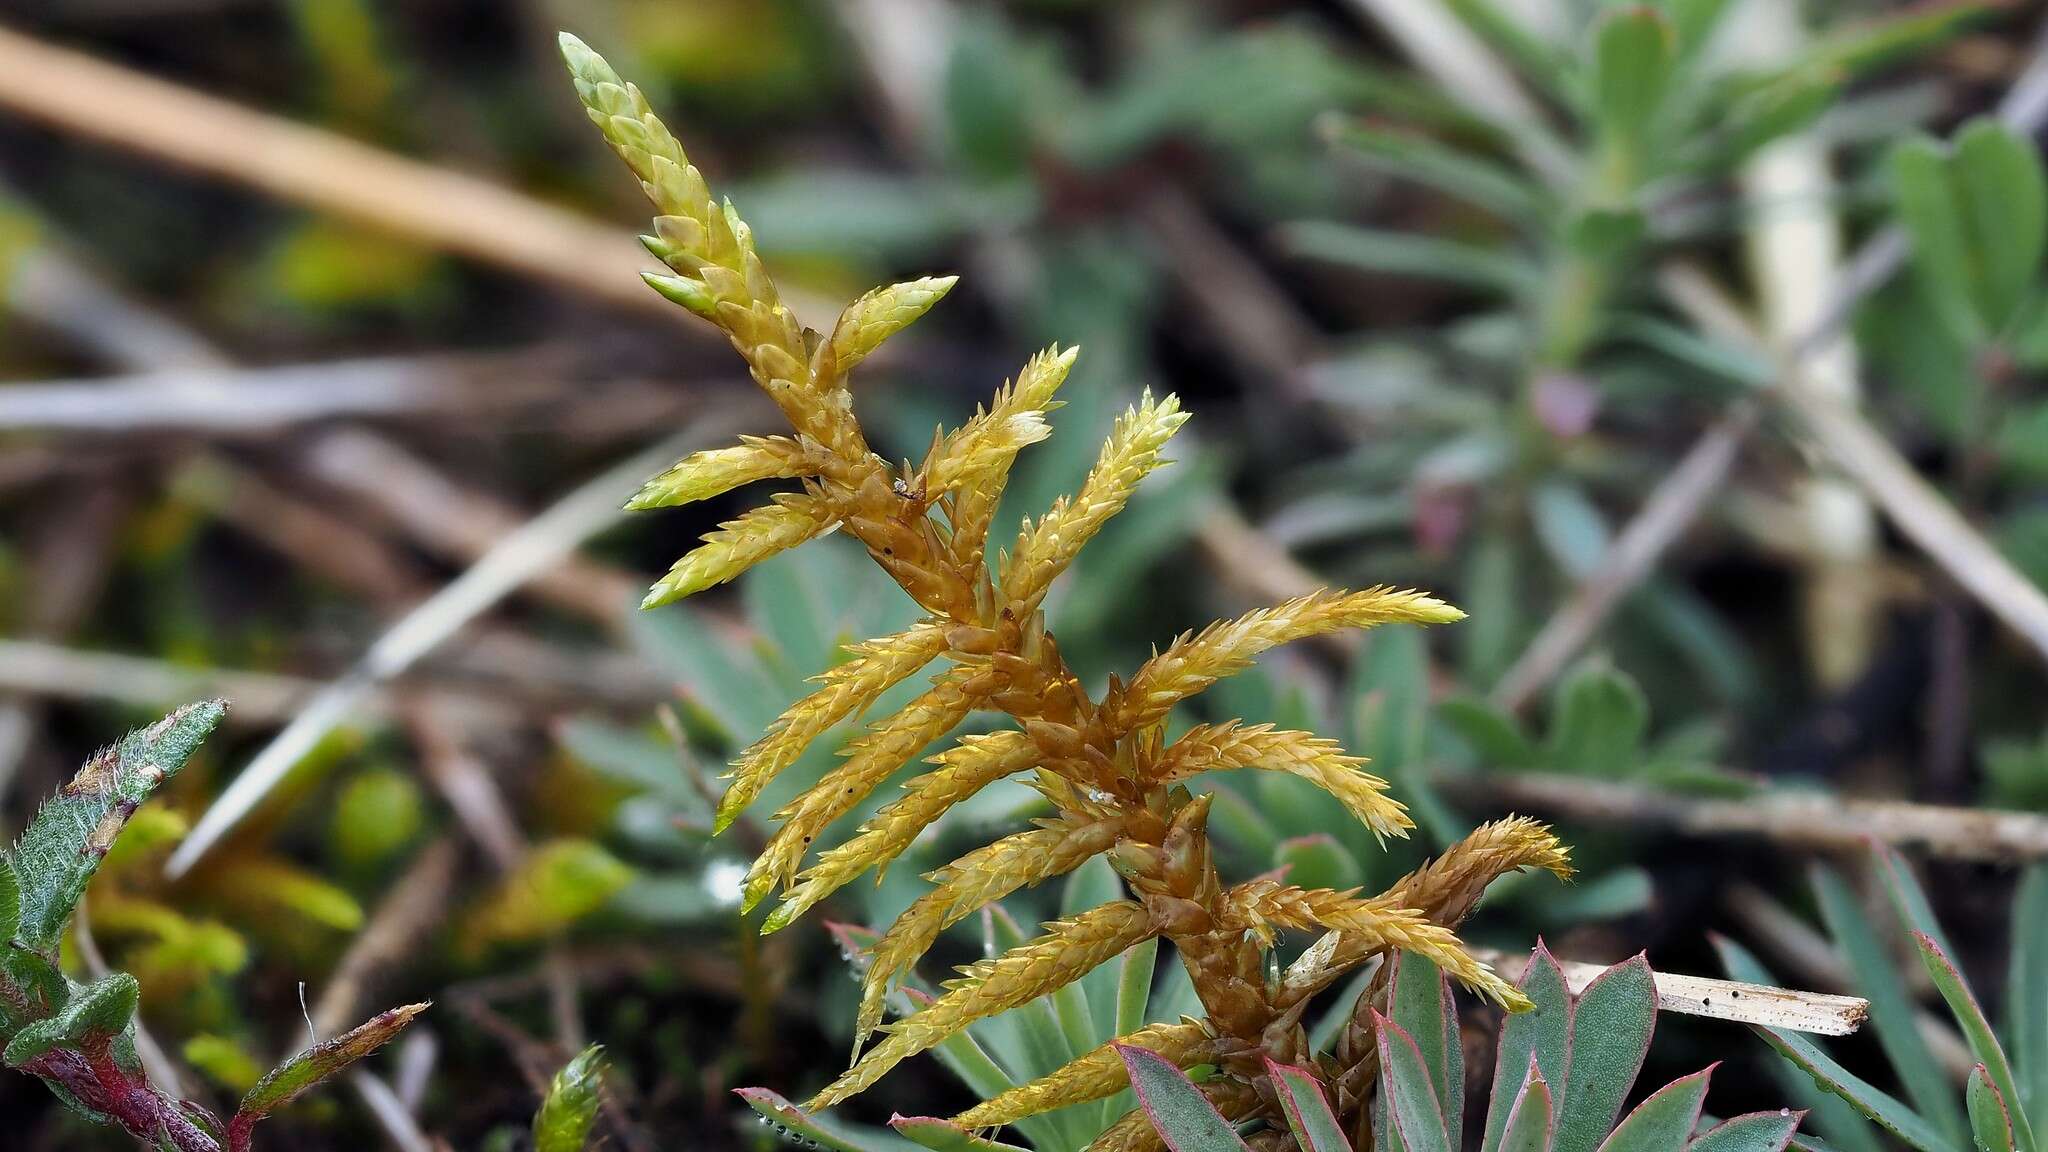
(95, 1014)
(304, 1071)
(62, 848)
(10, 899)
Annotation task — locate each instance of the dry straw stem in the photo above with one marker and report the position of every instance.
(262, 401)
(1684, 493)
(1114, 783)
(1807, 822)
(515, 558)
(1759, 1004)
(419, 202)
(1865, 456)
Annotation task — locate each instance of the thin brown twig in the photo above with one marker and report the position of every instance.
(447, 210)
(70, 560)
(261, 698)
(1258, 327)
(1815, 822)
(1671, 507)
(410, 911)
(460, 523)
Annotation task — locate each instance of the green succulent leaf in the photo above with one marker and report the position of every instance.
(1184, 1117)
(1441, 168)
(1891, 1007)
(2027, 987)
(1598, 722)
(1978, 217)
(62, 848)
(946, 1136)
(1408, 254)
(1882, 1109)
(1497, 738)
(1634, 55)
(1318, 861)
(570, 1109)
(1421, 1004)
(1845, 1128)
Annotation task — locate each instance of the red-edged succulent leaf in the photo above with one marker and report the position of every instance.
(945, 1136)
(1308, 1110)
(813, 1131)
(1664, 1121)
(1612, 1022)
(1531, 1123)
(1184, 1117)
(1411, 1098)
(1962, 1004)
(1990, 1119)
(1542, 1035)
(1750, 1132)
(1420, 1002)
